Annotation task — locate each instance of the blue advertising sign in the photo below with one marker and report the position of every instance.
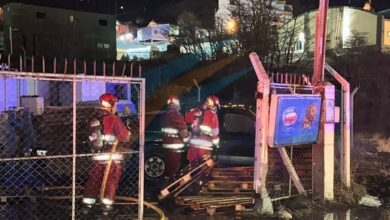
(294, 119)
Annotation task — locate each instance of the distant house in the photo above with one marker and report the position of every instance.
(343, 23)
(125, 34)
(53, 32)
(146, 42)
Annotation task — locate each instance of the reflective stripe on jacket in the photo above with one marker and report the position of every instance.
(113, 129)
(173, 127)
(208, 134)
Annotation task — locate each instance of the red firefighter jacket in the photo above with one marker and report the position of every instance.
(113, 128)
(205, 128)
(174, 130)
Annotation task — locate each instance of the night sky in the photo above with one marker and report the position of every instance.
(142, 11)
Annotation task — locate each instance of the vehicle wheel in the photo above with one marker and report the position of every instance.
(154, 166)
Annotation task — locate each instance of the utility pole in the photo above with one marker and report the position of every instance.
(320, 42)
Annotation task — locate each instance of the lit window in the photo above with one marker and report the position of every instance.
(71, 18)
(41, 15)
(100, 45)
(388, 33)
(103, 22)
(106, 46)
(298, 45)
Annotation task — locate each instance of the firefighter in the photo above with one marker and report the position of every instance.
(204, 129)
(106, 130)
(174, 136)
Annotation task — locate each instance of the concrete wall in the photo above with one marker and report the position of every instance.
(51, 32)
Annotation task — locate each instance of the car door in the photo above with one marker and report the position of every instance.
(237, 138)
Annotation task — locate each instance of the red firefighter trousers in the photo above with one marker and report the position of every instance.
(173, 161)
(92, 188)
(195, 153)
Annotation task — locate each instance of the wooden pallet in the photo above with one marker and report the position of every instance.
(229, 184)
(187, 178)
(230, 180)
(224, 191)
(212, 204)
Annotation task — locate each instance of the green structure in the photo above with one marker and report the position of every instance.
(30, 30)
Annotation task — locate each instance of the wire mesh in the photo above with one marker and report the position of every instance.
(45, 157)
(279, 182)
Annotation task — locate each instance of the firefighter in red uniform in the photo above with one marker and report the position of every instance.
(204, 129)
(174, 136)
(105, 130)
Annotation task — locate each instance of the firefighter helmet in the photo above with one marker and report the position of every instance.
(212, 102)
(173, 100)
(107, 101)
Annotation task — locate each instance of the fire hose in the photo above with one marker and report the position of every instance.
(123, 198)
(107, 170)
(103, 188)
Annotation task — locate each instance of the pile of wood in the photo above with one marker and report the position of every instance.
(212, 204)
(228, 189)
(187, 176)
(231, 180)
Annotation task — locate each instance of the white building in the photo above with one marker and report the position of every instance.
(342, 23)
(146, 42)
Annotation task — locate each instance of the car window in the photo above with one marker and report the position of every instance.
(238, 123)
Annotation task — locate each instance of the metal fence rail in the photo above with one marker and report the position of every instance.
(44, 155)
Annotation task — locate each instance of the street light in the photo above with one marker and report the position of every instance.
(231, 26)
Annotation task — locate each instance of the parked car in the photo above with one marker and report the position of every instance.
(237, 138)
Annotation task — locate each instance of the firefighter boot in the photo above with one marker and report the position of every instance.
(87, 209)
(107, 210)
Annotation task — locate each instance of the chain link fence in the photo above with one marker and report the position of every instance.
(45, 159)
(279, 182)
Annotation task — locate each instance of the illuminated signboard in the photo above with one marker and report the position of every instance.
(294, 119)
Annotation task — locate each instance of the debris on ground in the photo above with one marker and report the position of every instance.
(284, 214)
(370, 201)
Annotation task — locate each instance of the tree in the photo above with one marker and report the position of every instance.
(208, 43)
(257, 30)
(190, 34)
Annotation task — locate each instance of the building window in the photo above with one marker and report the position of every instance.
(106, 46)
(103, 22)
(100, 45)
(155, 31)
(71, 18)
(298, 45)
(41, 15)
(233, 2)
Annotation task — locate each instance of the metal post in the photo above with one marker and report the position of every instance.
(320, 42)
(141, 151)
(354, 91)
(74, 151)
(346, 175)
(198, 87)
(262, 202)
(10, 40)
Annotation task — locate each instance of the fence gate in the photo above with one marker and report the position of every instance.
(44, 154)
(279, 182)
